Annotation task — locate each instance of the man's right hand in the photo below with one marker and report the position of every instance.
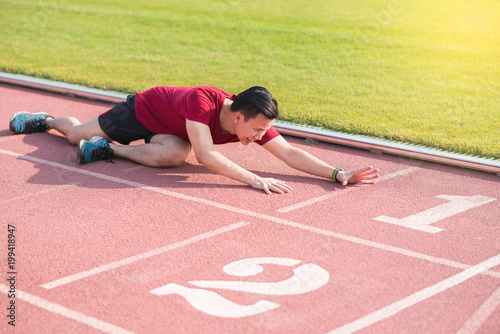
(270, 185)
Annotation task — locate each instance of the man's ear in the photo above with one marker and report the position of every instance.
(237, 117)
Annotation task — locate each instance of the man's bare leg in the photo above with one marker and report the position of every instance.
(76, 131)
(162, 151)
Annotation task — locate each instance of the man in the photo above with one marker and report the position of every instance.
(171, 120)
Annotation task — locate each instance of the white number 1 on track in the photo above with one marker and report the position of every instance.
(306, 278)
(422, 220)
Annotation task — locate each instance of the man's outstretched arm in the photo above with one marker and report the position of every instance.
(201, 139)
(305, 162)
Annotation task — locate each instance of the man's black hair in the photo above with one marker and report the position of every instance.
(255, 100)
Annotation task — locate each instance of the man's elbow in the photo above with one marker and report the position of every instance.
(203, 157)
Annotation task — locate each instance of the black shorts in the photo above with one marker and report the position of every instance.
(121, 125)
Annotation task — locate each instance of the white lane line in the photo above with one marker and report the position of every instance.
(482, 313)
(385, 247)
(417, 297)
(343, 191)
(251, 213)
(44, 191)
(66, 312)
(132, 259)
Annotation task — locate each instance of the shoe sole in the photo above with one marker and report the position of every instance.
(80, 154)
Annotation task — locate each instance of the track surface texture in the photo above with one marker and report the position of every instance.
(123, 248)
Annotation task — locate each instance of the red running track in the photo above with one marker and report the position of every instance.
(122, 248)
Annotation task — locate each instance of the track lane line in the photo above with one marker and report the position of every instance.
(417, 297)
(343, 191)
(249, 213)
(481, 315)
(66, 312)
(135, 258)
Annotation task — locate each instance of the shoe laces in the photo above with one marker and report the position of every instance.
(35, 125)
(102, 153)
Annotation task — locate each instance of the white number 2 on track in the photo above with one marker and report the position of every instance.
(307, 277)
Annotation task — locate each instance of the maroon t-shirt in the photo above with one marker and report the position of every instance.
(164, 109)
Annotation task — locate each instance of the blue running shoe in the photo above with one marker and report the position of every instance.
(24, 122)
(96, 148)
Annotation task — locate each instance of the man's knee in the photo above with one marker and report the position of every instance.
(171, 159)
(74, 135)
(85, 131)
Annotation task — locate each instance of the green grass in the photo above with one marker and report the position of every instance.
(426, 72)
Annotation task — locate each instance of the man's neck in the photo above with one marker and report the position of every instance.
(226, 124)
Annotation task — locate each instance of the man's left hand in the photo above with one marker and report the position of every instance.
(362, 175)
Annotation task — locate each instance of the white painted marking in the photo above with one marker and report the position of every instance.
(44, 191)
(249, 213)
(417, 297)
(212, 303)
(306, 278)
(132, 259)
(421, 221)
(343, 191)
(252, 266)
(66, 312)
(482, 313)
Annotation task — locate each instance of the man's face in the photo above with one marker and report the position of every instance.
(253, 129)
